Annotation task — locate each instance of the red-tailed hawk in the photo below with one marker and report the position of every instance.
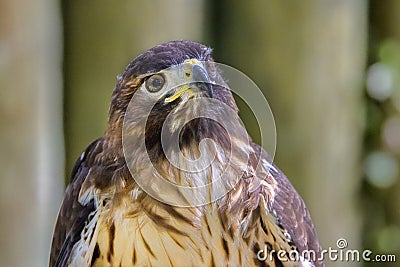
(117, 213)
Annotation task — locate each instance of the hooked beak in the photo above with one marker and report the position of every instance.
(198, 80)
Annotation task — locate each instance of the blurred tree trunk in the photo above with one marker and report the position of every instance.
(31, 155)
(309, 56)
(102, 37)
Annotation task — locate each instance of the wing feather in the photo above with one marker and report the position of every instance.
(72, 215)
(292, 214)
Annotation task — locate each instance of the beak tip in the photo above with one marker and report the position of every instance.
(200, 76)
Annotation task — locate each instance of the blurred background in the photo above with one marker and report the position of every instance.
(329, 69)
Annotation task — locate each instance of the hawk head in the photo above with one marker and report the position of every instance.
(167, 79)
(173, 116)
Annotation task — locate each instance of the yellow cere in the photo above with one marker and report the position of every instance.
(193, 61)
(185, 88)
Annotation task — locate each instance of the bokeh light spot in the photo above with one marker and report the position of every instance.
(381, 169)
(380, 81)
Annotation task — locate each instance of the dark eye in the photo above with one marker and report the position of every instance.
(155, 82)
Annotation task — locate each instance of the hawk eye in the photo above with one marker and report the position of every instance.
(155, 82)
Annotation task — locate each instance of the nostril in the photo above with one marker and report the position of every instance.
(187, 74)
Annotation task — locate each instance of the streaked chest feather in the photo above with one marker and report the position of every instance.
(133, 229)
(176, 240)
